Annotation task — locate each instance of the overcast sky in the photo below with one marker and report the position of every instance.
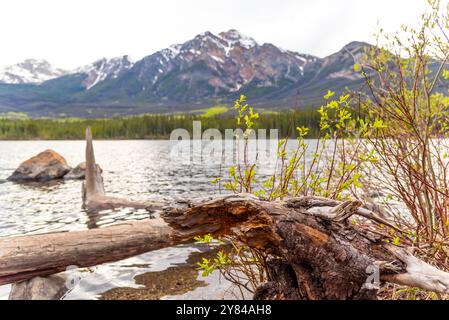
(70, 33)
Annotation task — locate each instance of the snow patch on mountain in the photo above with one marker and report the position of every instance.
(218, 59)
(233, 38)
(171, 52)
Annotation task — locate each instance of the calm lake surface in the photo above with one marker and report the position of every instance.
(138, 170)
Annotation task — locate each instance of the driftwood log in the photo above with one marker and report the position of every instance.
(93, 192)
(24, 257)
(314, 253)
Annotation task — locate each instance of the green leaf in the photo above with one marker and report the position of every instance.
(329, 94)
(216, 180)
(446, 74)
(302, 131)
(378, 124)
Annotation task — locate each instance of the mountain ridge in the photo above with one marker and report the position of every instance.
(207, 69)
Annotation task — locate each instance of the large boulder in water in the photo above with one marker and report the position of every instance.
(78, 173)
(46, 166)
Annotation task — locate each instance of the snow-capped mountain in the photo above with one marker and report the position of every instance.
(30, 71)
(211, 65)
(207, 69)
(103, 69)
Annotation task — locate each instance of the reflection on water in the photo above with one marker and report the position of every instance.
(177, 279)
(169, 273)
(108, 217)
(138, 170)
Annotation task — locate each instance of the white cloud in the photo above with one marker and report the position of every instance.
(71, 33)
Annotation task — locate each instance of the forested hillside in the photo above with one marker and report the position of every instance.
(147, 126)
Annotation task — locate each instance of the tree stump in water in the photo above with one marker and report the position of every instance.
(93, 193)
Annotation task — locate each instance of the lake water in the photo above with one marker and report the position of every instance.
(138, 170)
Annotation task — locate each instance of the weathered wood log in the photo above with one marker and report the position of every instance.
(314, 253)
(93, 192)
(25, 257)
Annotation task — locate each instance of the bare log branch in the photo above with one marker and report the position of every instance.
(418, 273)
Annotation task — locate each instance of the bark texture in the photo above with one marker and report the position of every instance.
(313, 251)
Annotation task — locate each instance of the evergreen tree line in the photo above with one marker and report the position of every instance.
(149, 126)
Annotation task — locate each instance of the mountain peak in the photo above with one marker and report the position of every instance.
(30, 71)
(172, 51)
(35, 62)
(104, 68)
(233, 36)
(355, 45)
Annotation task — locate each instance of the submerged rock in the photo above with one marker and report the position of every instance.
(46, 166)
(78, 173)
(39, 288)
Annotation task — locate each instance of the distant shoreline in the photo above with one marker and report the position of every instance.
(112, 139)
(70, 139)
(146, 127)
